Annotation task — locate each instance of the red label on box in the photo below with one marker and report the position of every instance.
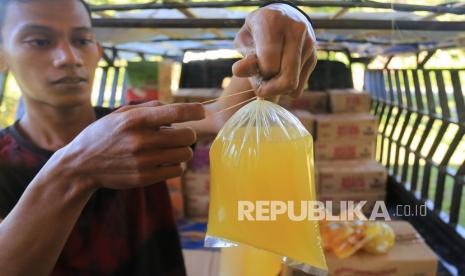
(353, 182)
(353, 100)
(348, 130)
(344, 152)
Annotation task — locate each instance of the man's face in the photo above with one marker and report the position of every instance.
(50, 49)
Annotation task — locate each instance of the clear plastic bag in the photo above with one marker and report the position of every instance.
(263, 154)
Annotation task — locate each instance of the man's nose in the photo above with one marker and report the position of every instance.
(67, 56)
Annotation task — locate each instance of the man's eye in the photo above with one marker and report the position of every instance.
(84, 41)
(39, 42)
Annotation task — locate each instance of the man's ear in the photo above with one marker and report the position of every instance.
(3, 64)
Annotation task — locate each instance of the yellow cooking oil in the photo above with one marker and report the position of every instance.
(248, 261)
(265, 169)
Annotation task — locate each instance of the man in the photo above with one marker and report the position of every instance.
(77, 192)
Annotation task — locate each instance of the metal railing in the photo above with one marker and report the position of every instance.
(421, 141)
(112, 82)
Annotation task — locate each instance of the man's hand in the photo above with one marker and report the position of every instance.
(279, 48)
(134, 146)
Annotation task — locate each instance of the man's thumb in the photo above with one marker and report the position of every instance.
(246, 67)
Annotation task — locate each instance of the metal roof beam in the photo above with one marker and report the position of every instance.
(421, 64)
(107, 58)
(308, 3)
(230, 38)
(340, 13)
(189, 14)
(137, 52)
(363, 60)
(317, 24)
(433, 15)
(388, 61)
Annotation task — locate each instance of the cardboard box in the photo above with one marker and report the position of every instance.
(196, 183)
(409, 256)
(316, 176)
(174, 184)
(202, 262)
(337, 200)
(230, 261)
(200, 162)
(286, 101)
(197, 206)
(337, 127)
(177, 203)
(349, 101)
(164, 80)
(338, 177)
(306, 118)
(196, 95)
(312, 101)
(344, 150)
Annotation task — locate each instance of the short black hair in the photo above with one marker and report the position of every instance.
(4, 4)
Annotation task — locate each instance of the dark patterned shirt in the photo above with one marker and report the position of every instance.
(129, 232)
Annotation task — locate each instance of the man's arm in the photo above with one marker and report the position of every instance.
(215, 116)
(33, 234)
(126, 149)
(279, 48)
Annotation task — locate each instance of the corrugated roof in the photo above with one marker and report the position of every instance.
(367, 31)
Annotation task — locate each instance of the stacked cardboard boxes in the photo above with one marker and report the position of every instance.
(352, 180)
(345, 151)
(194, 95)
(344, 142)
(315, 102)
(197, 193)
(409, 256)
(177, 197)
(306, 106)
(345, 136)
(349, 101)
(307, 119)
(196, 181)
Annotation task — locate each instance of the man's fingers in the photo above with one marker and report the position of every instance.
(165, 157)
(162, 138)
(171, 137)
(159, 174)
(163, 115)
(243, 40)
(140, 178)
(269, 47)
(150, 159)
(287, 81)
(246, 67)
(255, 37)
(145, 104)
(307, 70)
(309, 48)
